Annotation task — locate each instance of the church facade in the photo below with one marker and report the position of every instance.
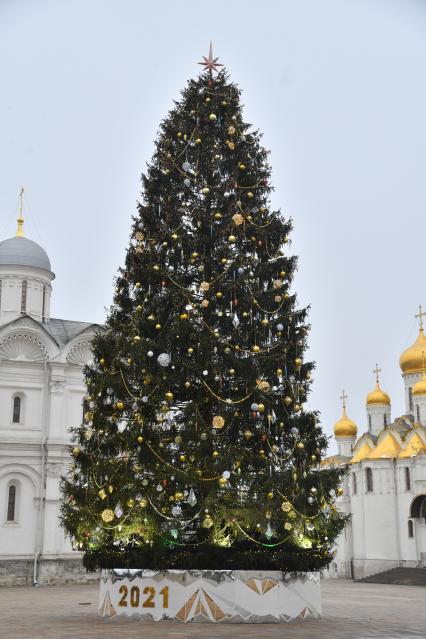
(384, 490)
(41, 396)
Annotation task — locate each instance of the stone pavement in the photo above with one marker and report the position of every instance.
(350, 611)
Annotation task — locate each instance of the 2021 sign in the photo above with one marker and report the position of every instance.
(148, 599)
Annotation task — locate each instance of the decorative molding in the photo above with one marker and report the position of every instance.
(80, 354)
(23, 347)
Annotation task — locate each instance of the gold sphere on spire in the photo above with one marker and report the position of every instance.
(411, 360)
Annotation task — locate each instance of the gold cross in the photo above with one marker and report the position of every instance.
(420, 315)
(20, 220)
(343, 397)
(377, 370)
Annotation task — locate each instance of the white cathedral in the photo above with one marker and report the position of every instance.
(42, 395)
(384, 490)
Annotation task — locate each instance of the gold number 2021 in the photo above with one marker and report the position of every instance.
(149, 602)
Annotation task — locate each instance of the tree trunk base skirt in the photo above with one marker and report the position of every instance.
(212, 596)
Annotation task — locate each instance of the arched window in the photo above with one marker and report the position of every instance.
(24, 297)
(369, 479)
(410, 398)
(410, 528)
(16, 418)
(354, 483)
(418, 412)
(369, 422)
(11, 503)
(385, 420)
(43, 310)
(407, 479)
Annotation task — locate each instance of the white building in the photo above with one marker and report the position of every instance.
(41, 396)
(385, 489)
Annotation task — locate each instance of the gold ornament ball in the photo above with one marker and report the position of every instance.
(227, 350)
(245, 314)
(169, 396)
(218, 421)
(218, 215)
(261, 408)
(76, 451)
(110, 488)
(198, 141)
(297, 408)
(224, 260)
(248, 434)
(190, 350)
(256, 348)
(182, 457)
(222, 481)
(187, 384)
(151, 317)
(129, 360)
(232, 239)
(143, 503)
(140, 439)
(313, 458)
(183, 316)
(102, 361)
(119, 405)
(136, 339)
(264, 322)
(130, 503)
(298, 361)
(279, 371)
(300, 445)
(174, 236)
(242, 167)
(224, 103)
(178, 495)
(282, 274)
(250, 195)
(179, 134)
(205, 190)
(212, 117)
(215, 454)
(194, 254)
(139, 308)
(158, 327)
(102, 493)
(207, 100)
(219, 295)
(107, 515)
(339, 491)
(287, 400)
(137, 285)
(156, 267)
(232, 371)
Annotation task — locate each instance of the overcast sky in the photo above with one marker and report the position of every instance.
(337, 86)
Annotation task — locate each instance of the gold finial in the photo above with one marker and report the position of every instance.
(377, 371)
(343, 397)
(420, 315)
(20, 230)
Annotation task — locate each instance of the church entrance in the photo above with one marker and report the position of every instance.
(418, 514)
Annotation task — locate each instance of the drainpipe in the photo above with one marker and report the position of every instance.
(43, 449)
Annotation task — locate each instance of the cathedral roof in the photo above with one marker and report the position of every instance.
(20, 251)
(63, 331)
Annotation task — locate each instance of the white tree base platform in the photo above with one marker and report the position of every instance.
(218, 596)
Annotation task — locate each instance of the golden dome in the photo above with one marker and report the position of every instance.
(345, 427)
(419, 387)
(378, 396)
(411, 360)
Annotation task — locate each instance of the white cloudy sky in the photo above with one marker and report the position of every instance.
(339, 89)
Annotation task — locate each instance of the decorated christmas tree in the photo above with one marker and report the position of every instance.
(196, 450)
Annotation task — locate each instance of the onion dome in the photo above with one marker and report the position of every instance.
(345, 427)
(19, 251)
(411, 360)
(419, 387)
(377, 396)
